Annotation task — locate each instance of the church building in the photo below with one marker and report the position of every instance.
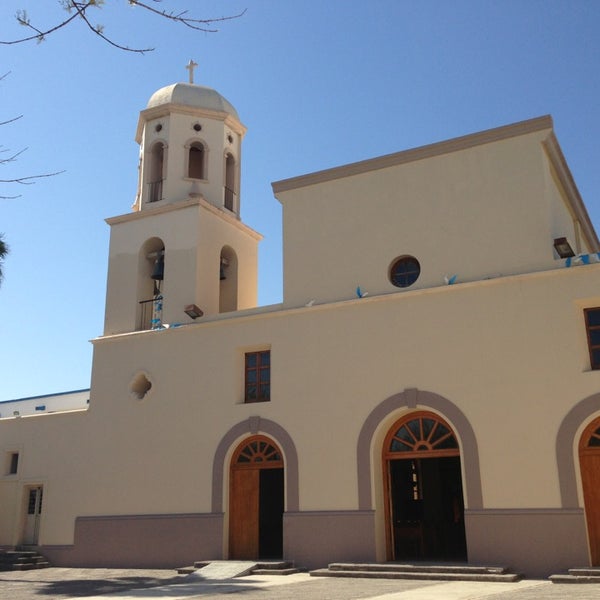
(427, 390)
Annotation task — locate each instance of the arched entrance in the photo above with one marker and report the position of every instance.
(423, 490)
(256, 493)
(589, 460)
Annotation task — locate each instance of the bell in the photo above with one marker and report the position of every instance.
(158, 272)
(222, 266)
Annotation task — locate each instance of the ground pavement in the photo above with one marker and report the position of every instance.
(143, 584)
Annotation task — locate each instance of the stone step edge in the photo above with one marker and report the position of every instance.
(274, 564)
(186, 570)
(288, 571)
(431, 576)
(24, 567)
(574, 578)
(21, 559)
(585, 571)
(412, 568)
(282, 567)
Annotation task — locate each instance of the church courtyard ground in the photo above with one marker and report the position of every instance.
(143, 584)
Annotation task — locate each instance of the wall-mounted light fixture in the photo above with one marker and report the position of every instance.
(563, 248)
(192, 311)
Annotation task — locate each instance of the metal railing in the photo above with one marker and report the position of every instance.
(229, 199)
(155, 190)
(150, 314)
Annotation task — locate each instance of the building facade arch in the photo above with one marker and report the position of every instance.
(567, 442)
(156, 161)
(196, 156)
(381, 418)
(230, 442)
(231, 180)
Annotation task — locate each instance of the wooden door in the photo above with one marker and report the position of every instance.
(244, 507)
(589, 460)
(256, 493)
(423, 490)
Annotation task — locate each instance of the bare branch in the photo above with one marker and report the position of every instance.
(79, 8)
(98, 30)
(11, 120)
(25, 181)
(23, 19)
(198, 24)
(12, 157)
(28, 180)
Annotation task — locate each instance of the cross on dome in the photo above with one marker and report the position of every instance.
(190, 67)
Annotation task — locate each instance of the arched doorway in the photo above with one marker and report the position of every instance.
(589, 460)
(256, 493)
(423, 490)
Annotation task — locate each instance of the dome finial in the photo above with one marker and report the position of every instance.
(190, 67)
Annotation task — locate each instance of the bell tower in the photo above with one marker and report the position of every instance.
(190, 146)
(183, 253)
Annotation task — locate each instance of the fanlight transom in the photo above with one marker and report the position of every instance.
(422, 433)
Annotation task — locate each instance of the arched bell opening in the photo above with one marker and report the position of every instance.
(157, 170)
(151, 274)
(196, 161)
(423, 490)
(256, 500)
(228, 280)
(230, 199)
(589, 462)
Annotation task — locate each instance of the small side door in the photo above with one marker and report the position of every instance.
(33, 515)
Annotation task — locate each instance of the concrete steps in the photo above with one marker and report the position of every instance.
(580, 575)
(275, 568)
(425, 572)
(224, 569)
(21, 560)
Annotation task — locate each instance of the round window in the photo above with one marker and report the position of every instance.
(405, 271)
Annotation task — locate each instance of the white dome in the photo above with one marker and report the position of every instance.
(196, 96)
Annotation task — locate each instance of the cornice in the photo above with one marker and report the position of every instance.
(153, 211)
(414, 154)
(278, 311)
(166, 109)
(565, 178)
(230, 219)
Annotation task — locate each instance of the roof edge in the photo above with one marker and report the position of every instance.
(69, 393)
(163, 110)
(181, 205)
(421, 152)
(561, 168)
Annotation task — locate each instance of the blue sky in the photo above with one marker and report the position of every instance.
(318, 84)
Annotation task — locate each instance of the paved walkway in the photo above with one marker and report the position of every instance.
(143, 584)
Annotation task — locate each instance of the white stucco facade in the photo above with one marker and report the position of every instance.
(500, 357)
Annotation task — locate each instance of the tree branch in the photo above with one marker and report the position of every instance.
(78, 9)
(23, 19)
(28, 180)
(25, 181)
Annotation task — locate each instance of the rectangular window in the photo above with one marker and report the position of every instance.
(592, 325)
(14, 463)
(258, 376)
